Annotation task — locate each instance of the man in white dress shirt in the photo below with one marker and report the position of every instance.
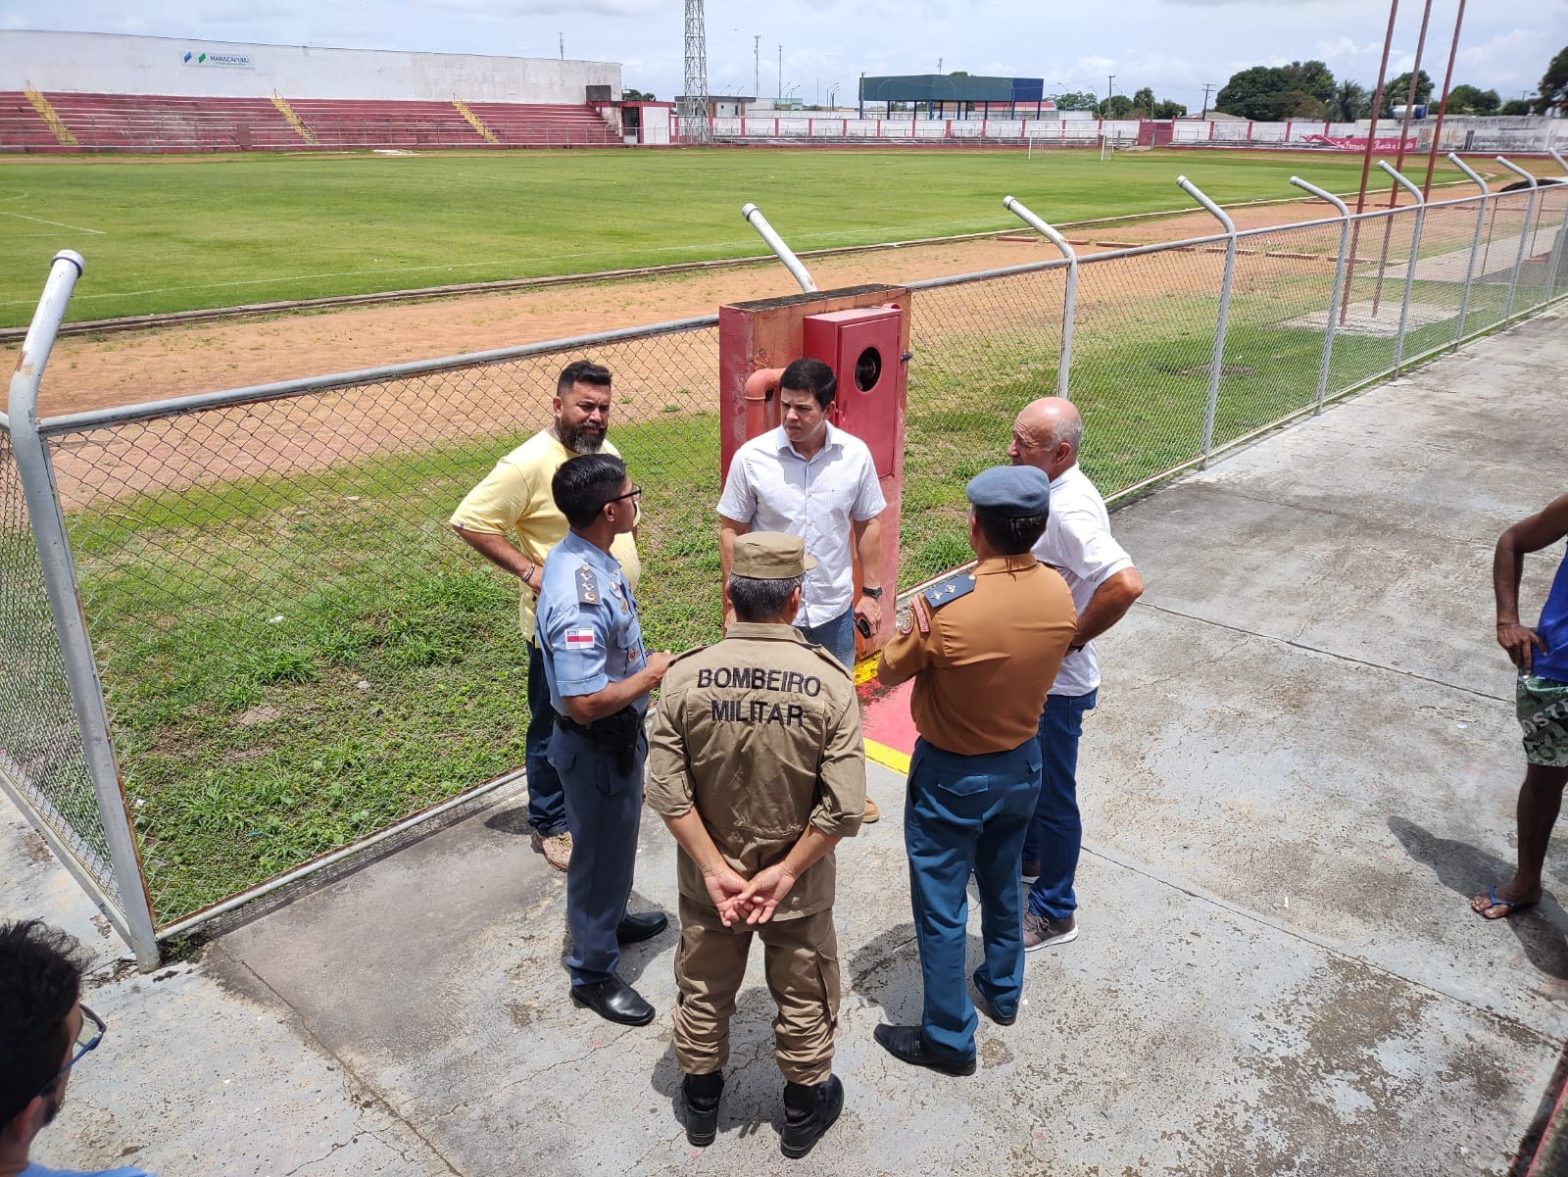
(809, 479)
(1104, 584)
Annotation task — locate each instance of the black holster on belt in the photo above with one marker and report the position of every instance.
(616, 734)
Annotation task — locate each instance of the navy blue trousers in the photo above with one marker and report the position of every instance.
(546, 805)
(968, 815)
(603, 812)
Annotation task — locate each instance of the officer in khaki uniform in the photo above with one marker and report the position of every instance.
(757, 766)
(983, 649)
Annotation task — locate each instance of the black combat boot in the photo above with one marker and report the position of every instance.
(702, 1107)
(808, 1113)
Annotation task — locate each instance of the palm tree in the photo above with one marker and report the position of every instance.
(1349, 102)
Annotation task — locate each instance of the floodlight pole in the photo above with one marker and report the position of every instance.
(1339, 279)
(1069, 296)
(793, 264)
(1216, 364)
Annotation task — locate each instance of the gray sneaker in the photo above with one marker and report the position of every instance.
(1042, 932)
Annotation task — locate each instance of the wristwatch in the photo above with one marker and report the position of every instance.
(874, 593)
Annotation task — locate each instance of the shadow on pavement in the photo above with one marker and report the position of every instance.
(1467, 870)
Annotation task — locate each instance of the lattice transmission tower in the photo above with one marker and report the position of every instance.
(694, 109)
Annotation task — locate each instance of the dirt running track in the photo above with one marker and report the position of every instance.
(89, 373)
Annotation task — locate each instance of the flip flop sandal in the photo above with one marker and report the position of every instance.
(1495, 901)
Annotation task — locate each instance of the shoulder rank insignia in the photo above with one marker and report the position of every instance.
(949, 590)
(587, 586)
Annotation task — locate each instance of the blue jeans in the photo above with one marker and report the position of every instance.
(836, 636)
(546, 802)
(967, 815)
(1056, 833)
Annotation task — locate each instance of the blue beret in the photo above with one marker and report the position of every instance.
(1012, 490)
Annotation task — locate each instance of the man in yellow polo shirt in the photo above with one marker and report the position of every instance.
(511, 519)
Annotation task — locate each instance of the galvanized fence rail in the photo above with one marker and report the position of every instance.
(242, 642)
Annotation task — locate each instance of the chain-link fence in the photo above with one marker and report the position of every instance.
(295, 651)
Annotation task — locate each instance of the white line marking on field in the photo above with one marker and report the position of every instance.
(17, 196)
(56, 224)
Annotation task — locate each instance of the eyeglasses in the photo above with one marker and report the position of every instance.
(87, 1040)
(634, 493)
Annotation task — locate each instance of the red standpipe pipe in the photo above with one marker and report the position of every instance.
(1399, 159)
(761, 388)
(1366, 161)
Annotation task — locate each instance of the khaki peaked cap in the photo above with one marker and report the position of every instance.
(771, 555)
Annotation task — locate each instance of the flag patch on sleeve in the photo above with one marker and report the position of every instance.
(579, 639)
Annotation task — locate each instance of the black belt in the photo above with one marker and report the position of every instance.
(616, 734)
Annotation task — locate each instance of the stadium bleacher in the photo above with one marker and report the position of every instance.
(160, 123)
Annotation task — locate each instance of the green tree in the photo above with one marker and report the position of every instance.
(1312, 77)
(1395, 93)
(1169, 110)
(1554, 84)
(1117, 106)
(1302, 89)
(1143, 101)
(1349, 103)
(637, 96)
(1077, 100)
(1472, 100)
(1516, 106)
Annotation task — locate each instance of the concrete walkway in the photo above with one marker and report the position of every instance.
(1304, 762)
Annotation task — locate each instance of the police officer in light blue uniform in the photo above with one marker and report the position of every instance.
(599, 678)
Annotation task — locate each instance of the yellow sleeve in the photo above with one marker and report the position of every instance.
(499, 502)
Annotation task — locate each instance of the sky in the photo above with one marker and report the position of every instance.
(1173, 46)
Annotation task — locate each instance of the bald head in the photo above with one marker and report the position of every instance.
(1046, 435)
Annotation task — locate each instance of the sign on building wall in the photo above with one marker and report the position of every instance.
(222, 60)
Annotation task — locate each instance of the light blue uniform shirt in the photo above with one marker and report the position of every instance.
(588, 629)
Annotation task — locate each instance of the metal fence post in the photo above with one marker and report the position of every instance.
(59, 572)
(1069, 297)
(793, 264)
(1554, 270)
(1524, 236)
(1216, 364)
(1475, 245)
(1339, 279)
(1410, 262)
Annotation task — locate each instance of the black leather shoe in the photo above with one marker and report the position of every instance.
(983, 1000)
(702, 1093)
(643, 926)
(808, 1113)
(905, 1044)
(615, 1001)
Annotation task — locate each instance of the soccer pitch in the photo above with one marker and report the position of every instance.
(179, 233)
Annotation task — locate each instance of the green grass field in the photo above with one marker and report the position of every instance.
(180, 233)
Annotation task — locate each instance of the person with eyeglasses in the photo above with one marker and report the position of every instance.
(45, 1032)
(511, 520)
(599, 676)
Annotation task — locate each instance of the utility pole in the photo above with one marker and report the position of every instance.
(1110, 88)
(781, 75)
(562, 37)
(756, 65)
(1207, 86)
(939, 65)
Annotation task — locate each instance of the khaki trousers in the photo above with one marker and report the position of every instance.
(801, 958)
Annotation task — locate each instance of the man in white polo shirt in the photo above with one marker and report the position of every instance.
(809, 479)
(1104, 584)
